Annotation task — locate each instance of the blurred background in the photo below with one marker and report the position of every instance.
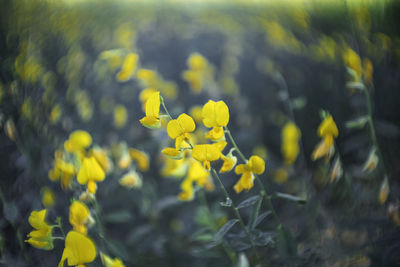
(68, 65)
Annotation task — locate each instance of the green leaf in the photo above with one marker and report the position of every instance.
(357, 123)
(248, 202)
(291, 198)
(204, 238)
(224, 229)
(355, 85)
(120, 216)
(254, 213)
(261, 217)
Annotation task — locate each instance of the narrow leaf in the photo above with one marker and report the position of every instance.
(248, 202)
(254, 213)
(291, 197)
(261, 217)
(224, 229)
(243, 261)
(357, 123)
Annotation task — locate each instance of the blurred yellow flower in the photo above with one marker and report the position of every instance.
(128, 67)
(141, 158)
(144, 95)
(79, 250)
(90, 173)
(384, 191)
(197, 72)
(120, 116)
(78, 216)
(131, 180)
(108, 262)
(78, 140)
(352, 61)
(327, 130)
(48, 197)
(41, 237)
(290, 142)
(229, 162)
(152, 118)
(55, 114)
(255, 165)
(174, 168)
(101, 156)
(216, 115)
(196, 113)
(187, 193)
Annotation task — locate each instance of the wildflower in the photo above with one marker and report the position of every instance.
(337, 170)
(180, 128)
(197, 173)
(131, 180)
(64, 171)
(353, 61)
(152, 118)
(229, 162)
(128, 67)
(196, 113)
(41, 237)
(328, 131)
(120, 116)
(78, 140)
(108, 262)
(187, 193)
(79, 216)
(208, 152)
(90, 173)
(48, 197)
(255, 165)
(79, 250)
(124, 160)
(290, 142)
(216, 115)
(197, 73)
(55, 114)
(174, 168)
(101, 156)
(172, 153)
(146, 77)
(368, 70)
(141, 158)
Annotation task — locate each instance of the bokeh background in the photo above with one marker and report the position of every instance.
(271, 62)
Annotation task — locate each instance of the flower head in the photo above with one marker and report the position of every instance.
(180, 128)
(108, 262)
(78, 216)
(41, 237)
(141, 158)
(255, 165)
(290, 142)
(208, 152)
(128, 67)
(90, 173)
(327, 130)
(152, 118)
(131, 180)
(215, 115)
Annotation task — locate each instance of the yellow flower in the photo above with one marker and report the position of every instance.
(229, 162)
(372, 161)
(174, 168)
(172, 153)
(90, 173)
(120, 116)
(42, 236)
(101, 156)
(327, 130)
(197, 173)
(79, 250)
(124, 161)
(196, 113)
(197, 62)
(48, 197)
(63, 170)
(368, 70)
(55, 114)
(78, 140)
(128, 67)
(141, 158)
(208, 152)
(353, 61)
(152, 118)
(131, 180)
(384, 191)
(180, 128)
(216, 115)
(187, 193)
(146, 77)
(255, 165)
(290, 142)
(78, 216)
(108, 262)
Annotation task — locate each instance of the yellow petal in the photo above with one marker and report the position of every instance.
(229, 163)
(48, 198)
(36, 219)
(151, 122)
(153, 105)
(215, 114)
(80, 139)
(328, 127)
(128, 67)
(90, 170)
(215, 134)
(79, 249)
(78, 213)
(131, 180)
(206, 152)
(141, 158)
(257, 164)
(172, 153)
(183, 124)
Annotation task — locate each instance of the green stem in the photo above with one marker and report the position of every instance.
(99, 223)
(372, 128)
(237, 214)
(228, 250)
(165, 108)
(260, 184)
(59, 225)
